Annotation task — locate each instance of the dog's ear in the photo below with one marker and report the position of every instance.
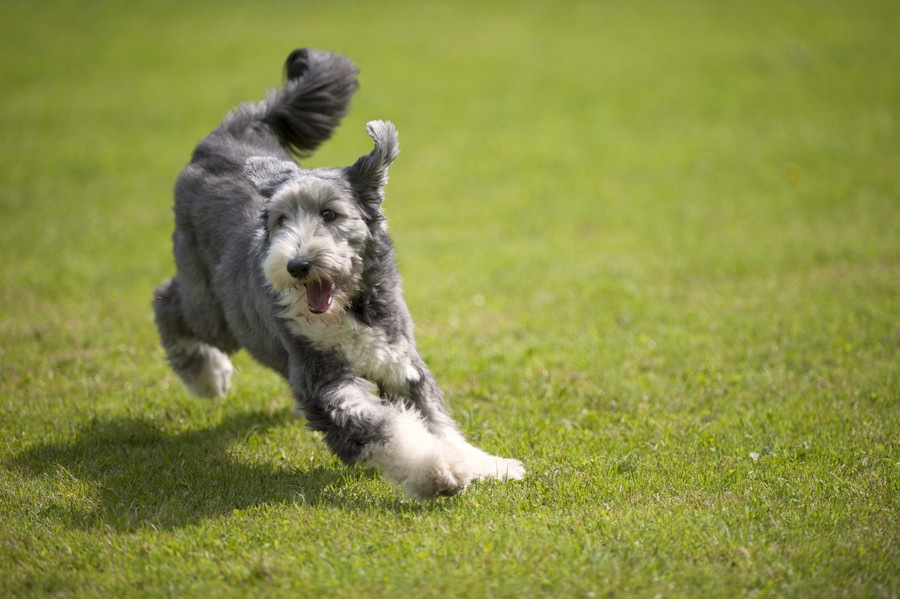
(369, 174)
(267, 174)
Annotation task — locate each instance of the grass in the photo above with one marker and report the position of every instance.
(651, 248)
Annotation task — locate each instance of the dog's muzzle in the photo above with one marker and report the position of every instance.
(319, 292)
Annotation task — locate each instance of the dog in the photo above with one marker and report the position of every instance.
(296, 266)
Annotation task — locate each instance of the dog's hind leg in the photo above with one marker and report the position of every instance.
(205, 370)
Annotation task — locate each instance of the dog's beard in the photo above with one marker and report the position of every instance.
(326, 291)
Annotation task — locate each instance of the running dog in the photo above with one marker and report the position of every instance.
(296, 266)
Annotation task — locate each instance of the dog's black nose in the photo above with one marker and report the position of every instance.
(299, 268)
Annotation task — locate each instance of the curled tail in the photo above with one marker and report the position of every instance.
(305, 111)
(314, 98)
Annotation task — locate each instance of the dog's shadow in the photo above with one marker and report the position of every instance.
(138, 474)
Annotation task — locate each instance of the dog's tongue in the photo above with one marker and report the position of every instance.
(319, 295)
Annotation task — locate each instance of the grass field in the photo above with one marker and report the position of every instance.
(652, 250)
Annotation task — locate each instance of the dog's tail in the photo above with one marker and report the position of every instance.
(314, 98)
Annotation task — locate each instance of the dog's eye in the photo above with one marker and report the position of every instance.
(328, 215)
(279, 222)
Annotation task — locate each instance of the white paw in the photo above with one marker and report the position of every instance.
(496, 468)
(418, 461)
(436, 479)
(483, 465)
(214, 379)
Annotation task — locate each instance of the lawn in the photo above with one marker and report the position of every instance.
(652, 250)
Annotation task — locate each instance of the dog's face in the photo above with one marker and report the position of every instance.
(317, 237)
(317, 223)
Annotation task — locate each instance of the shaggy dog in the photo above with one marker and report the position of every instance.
(296, 266)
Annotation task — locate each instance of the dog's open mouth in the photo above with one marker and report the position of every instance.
(319, 295)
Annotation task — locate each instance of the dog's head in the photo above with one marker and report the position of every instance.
(317, 223)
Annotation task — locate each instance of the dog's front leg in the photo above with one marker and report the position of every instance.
(360, 427)
(425, 394)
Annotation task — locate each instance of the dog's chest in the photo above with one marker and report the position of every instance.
(369, 352)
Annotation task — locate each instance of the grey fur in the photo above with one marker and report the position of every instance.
(296, 266)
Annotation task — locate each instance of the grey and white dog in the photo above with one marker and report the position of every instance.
(296, 266)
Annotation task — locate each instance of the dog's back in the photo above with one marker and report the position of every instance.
(211, 195)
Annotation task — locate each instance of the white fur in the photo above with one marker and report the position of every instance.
(214, 379)
(418, 461)
(367, 349)
(484, 465)
(428, 465)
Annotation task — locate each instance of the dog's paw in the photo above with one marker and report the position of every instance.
(438, 479)
(492, 467)
(419, 462)
(214, 378)
(483, 465)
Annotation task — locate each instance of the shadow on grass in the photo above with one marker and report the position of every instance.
(137, 474)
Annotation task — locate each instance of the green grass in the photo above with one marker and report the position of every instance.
(651, 249)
